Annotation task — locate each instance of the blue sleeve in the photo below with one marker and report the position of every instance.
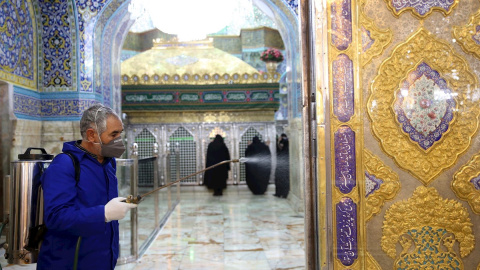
(61, 213)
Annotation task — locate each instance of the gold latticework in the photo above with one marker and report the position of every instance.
(424, 164)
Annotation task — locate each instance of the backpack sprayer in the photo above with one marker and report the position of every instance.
(139, 198)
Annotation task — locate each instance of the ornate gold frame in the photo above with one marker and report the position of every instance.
(463, 35)
(462, 186)
(422, 46)
(387, 191)
(416, 14)
(382, 39)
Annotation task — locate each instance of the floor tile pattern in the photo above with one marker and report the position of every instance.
(238, 230)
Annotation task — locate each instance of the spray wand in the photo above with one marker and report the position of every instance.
(138, 198)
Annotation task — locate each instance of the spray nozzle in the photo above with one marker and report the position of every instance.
(135, 200)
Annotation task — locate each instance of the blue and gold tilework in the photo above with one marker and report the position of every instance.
(87, 16)
(18, 42)
(57, 46)
(32, 105)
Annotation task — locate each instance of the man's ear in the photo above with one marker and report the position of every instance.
(91, 135)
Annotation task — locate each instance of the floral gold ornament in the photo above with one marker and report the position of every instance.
(374, 40)
(468, 36)
(421, 106)
(421, 8)
(427, 232)
(466, 183)
(381, 184)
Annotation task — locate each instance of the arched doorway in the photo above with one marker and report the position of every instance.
(117, 24)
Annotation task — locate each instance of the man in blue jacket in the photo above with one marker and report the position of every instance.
(86, 210)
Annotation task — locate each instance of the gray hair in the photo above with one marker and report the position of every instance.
(98, 114)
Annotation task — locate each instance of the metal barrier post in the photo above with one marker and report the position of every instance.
(177, 169)
(156, 185)
(134, 190)
(6, 197)
(168, 174)
(235, 166)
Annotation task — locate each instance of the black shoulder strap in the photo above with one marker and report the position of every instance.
(114, 164)
(76, 165)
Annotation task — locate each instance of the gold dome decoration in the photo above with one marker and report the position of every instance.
(193, 62)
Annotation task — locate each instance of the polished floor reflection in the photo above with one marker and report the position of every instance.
(238, 230)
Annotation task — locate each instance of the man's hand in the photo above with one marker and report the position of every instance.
(115, 209)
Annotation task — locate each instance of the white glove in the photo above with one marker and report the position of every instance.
(115, 209)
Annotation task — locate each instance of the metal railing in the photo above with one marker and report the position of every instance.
(152, 213)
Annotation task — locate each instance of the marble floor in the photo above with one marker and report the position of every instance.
(238, 230)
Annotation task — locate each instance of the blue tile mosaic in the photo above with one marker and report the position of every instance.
(57, 48)
(87, 11)
(293, 4)
(32, 105)
(18, 47)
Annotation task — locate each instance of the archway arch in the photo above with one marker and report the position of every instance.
(116, 22)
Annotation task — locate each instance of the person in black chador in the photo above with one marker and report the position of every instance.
(216, 178)
(258, 166)
(282, 172)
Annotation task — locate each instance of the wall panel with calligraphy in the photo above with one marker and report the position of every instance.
(403, 92)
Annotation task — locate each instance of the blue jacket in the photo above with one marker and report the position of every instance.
(72, 210)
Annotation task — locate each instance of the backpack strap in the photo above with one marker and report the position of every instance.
(76, 165)
(114, 163)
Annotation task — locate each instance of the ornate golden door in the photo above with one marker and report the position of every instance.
(403, 188)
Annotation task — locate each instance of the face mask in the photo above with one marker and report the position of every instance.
(114, 148)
